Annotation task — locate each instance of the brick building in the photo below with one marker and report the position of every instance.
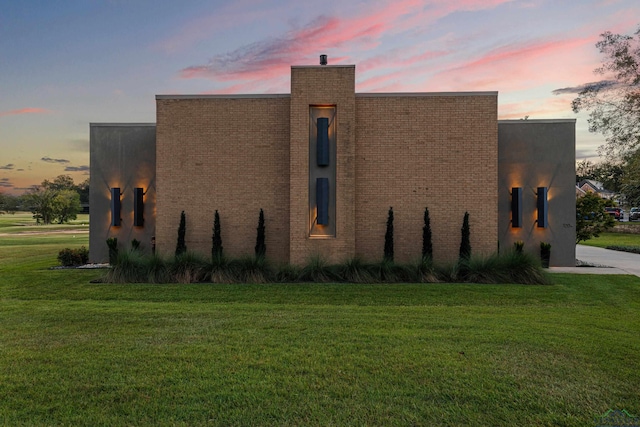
(325, 164)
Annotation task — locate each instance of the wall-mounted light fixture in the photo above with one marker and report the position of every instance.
(322, 141)
(516, 207)
(138, 207)
(543, 207)
(322, 201)
(115, 207)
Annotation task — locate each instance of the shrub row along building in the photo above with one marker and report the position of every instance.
(325, 164)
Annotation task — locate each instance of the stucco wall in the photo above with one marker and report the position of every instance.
(225, 153)
(532, 154)
(123, 156)
(426, 150)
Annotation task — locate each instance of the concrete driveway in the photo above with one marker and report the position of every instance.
(614, 262)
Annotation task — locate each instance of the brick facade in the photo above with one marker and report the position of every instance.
(238, 154)
(229, 154)
(426, 150)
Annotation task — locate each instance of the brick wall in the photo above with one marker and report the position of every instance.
(229, 154)
(431, 150)
(322, 85)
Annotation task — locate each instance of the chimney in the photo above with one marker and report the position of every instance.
(323, 59)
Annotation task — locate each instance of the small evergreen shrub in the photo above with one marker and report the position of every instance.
(261, 248)
(216, 241)
(181, 246)
(427, 245)
(388, 237)
(73, 257)
(545, 254)
(249, 269)
(112, 244)
(465, 242)
(518, 246)
(135, 245)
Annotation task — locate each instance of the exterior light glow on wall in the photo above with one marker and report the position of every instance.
(115, 207)
(543, 207)
(516, 207)
(138, 207)
(322, 201)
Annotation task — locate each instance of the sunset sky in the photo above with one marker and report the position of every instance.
(64, 64)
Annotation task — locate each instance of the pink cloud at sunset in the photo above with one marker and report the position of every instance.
(24, 111)
(268, 59)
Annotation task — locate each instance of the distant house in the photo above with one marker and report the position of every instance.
(591, 186)
(579, 191)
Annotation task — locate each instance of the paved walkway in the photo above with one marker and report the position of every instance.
(614, 262)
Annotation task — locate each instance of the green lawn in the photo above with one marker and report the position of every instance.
(614, 239)
(77, 353)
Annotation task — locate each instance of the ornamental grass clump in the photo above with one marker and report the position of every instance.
(189, 267)
(249, 269)
(157, 269)
(354, 270)
(316, 270)
(128, 267)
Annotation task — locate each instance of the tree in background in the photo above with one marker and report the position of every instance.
(614, 102)
(181, 246)
(465, 242)
(56, 200)
(40, 202)
(591, 217)
(388, 238)
(631, 179)
(261, 248)
(427, 245)
(9, 204)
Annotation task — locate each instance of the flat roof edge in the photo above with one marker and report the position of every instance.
(240, 96)
(514, 121)
(121, 124)
(401, 94)
(323, 66)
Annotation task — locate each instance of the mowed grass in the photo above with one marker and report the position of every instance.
(614, 239)
(23, 222)
(77, 353)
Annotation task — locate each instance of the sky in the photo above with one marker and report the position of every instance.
(65, 64)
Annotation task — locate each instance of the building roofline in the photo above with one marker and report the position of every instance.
(241, 96)
(414, 94)
(323, 66)
(515, 121)
(120, 124)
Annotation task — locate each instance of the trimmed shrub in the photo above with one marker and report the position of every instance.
(112, 244)
(216, 241)
(181, 246)
(427, 245)
(261, 248)
(388, 237)
(73, 257)
(465, 242)
(545, 254)
(518, 246)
